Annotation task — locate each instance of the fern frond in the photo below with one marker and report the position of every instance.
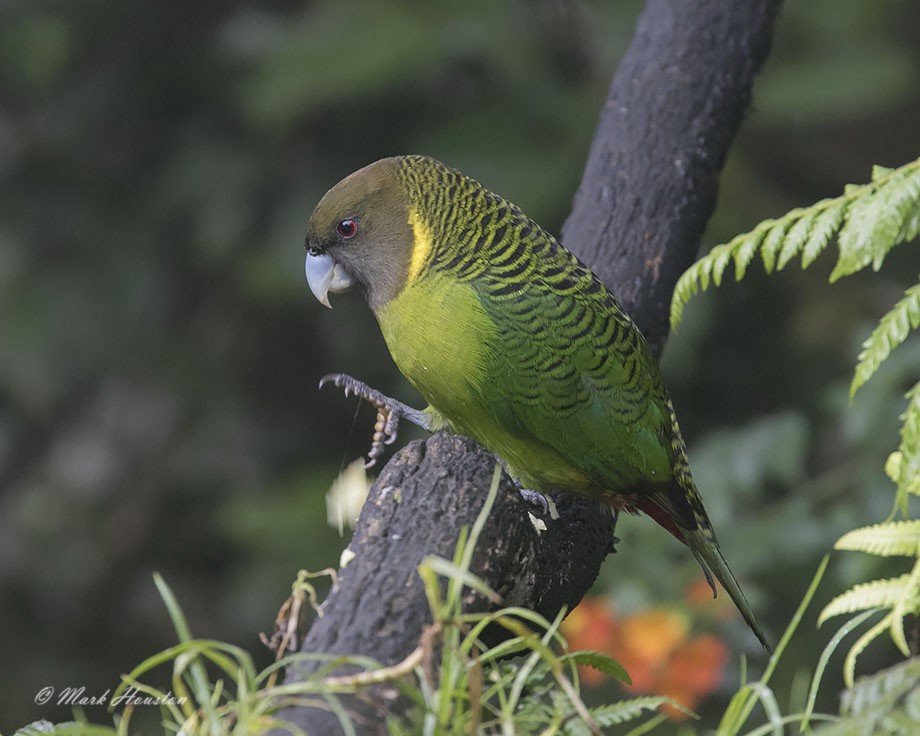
(881, 691)
(901, 595)
(890, 538)
(849, 664)
(826, 224)
(882, 703)
(869, 221)
(795, 238)
(876, 218)
(599, 662)
(911, 227)
(864, 596)
(893, 620)
(627, 710)
(891, 331)
(905, 470)
(908, 604)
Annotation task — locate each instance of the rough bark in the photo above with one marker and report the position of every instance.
(652, 176)
(649, 186)
(423, 497)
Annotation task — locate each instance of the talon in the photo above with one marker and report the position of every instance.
(390, 425)
(375, 452)
(535, 499)
(389, 412)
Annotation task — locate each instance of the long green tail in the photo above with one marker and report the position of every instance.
(707, 553)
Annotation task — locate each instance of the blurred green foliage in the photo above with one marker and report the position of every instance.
(159, 351)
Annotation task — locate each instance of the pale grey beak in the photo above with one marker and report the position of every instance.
(325, 276)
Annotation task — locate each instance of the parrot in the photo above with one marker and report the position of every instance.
(512, 341)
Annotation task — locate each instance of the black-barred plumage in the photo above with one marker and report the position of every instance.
(513, 341)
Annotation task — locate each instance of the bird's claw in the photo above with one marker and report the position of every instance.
(535, 499)
(385, 431)
(389, 412)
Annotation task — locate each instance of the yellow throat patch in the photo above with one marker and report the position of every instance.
(421, 245)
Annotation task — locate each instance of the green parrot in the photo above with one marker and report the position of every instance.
(512, 341)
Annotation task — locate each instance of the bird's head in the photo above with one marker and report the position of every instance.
(360, 233)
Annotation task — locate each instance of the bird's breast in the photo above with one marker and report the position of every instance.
(440, 339)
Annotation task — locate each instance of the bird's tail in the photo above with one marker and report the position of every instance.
(683, 515)
(708, 554)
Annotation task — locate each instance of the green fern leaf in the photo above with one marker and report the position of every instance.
(902, 197)
(881, 704)
(887, 539)
(890, 332)
(857, 236)
(773, 241)
(796, 237)
(911, 227)
(745, 248)
(884, 689)
(711, 268)
(826, 224)
(876, 219)
(849, 663)
(864, 596)
(869, 220)
(908, 464)
(600, 662)
(627, 710)
(719, 264)
(688, 285)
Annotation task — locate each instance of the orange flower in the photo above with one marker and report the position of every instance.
(591, 626)
(695, 670)
(647, 641)
(699, 664)
(654, 646)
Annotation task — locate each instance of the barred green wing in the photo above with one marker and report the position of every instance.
(572, 371)
(569, 372)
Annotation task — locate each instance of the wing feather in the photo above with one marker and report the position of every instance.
(572, 371)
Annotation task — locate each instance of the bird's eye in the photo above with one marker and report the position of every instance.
(347, 228)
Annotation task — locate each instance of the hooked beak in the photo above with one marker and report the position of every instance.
(325, 276)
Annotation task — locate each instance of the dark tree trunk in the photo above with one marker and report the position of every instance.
(649, 187)
(652, 176)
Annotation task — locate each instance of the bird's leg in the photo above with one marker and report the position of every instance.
(389, 412)
(534, 498)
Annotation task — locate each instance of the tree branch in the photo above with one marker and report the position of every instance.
(652, 176)
(649, 187)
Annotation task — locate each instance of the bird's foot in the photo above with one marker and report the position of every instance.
(535, 499)
(389, 412)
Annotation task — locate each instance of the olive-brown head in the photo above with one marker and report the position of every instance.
(359, 233)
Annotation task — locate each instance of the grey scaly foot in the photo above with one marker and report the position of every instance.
(389, 412)
(535, 499)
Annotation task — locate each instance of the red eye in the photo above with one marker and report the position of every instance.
(347, 228)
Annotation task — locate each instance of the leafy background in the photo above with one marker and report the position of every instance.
(159, 350)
